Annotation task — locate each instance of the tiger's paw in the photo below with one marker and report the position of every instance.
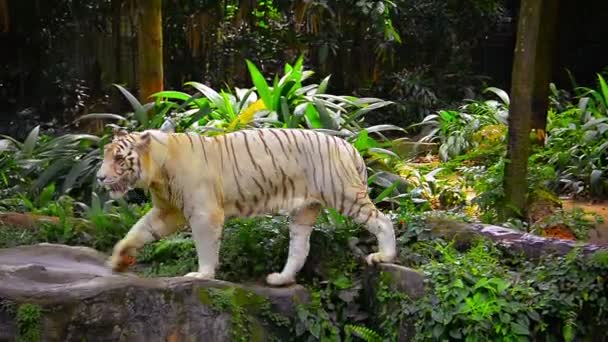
(201, 275)
(122, 258)
(376, 258)
(277, 279)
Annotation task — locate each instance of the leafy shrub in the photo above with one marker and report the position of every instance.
(460, 131)
(477, 295)
(577, 143)
(70, 159)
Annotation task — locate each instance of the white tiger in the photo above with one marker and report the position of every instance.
(201, 181)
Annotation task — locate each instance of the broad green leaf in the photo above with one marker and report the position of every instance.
(75, 172)
(46, 195)
(504, 97)
(6, 145)
(285, 110)
(30, 142)
(380, 128)
(593, 122)
(604, 89)
(323, 86)
(216, 99)
(362, 141)
(386, 192)
(247, 97)
(306, 74)
(312, 117)
(229, 106)
(138, 109)
(582, 104)
(171, 94)
(260, 84)
(287, 77)
(568, 332)
(360, 112)
(327, 119)
(276, 95)
(102, 116)
(383, 151)
(366, 100)
(306, 90)
(49, 173)
(342, 99)
(595, 179)
(520, 329)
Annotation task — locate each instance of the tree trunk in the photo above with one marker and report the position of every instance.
(116, 38)
(544, 66)
(150, 48)
(5, 17)
(530, 80)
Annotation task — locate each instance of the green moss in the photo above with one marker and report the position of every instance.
(204, 297)
(29, 322)
(248, 311)
(256, 331)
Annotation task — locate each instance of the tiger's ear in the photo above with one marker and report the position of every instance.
(143, 143)
(145, 140)
(119, 132)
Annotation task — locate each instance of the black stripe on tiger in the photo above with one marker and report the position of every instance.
(295, 139)
(200, 138)
(234, 159)
(322, 161)
(288, 139)
(263, 139)
(331, 170)
(255, 164)
(280, 142)
(190, 139)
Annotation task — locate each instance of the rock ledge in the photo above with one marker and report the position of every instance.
(64, 293)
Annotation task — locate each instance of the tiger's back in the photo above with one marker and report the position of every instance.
(274, 170)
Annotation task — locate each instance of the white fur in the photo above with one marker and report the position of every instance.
(201, 181)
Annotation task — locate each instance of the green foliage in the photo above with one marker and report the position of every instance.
(477, 295)
(110, 220)
(366, 334)
(457, 129)
(577, 143)
(472, 299)
(70, 159)
(29, 323)
(284, 103)
(245, 308)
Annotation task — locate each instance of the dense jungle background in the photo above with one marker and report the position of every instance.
(467, 112)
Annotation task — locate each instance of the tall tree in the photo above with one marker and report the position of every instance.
(150, 48)
(536, 30)
(116, 38)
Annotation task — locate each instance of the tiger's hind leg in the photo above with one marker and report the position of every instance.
(299, 245)
(364, 212)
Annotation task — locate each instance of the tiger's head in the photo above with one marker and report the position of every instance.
(123, 165)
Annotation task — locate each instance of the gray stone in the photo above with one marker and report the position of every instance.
(81, 299)
(404, 279)
(532, 246)
(399, 279)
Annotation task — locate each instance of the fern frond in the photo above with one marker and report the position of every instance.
(364, 333)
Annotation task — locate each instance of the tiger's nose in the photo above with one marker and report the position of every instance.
(100, 179)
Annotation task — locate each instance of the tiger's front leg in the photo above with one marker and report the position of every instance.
(206, 231)
(156, 224)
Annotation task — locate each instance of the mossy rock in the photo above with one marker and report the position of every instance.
(62, 293)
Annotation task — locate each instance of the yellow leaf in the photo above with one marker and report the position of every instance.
(246, 116)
